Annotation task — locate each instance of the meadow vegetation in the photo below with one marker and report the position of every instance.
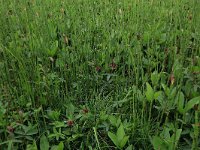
(99, 74)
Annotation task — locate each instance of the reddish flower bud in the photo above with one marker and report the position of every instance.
(172, 79)
(70, 123)
(10, 129)
(113, 66)
(98, 69)
(190, 17)
(85, 110)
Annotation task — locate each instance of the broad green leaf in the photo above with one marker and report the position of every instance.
(70, 109)
(191, 103)
(173, 93)
(118, 122)
(54, 147)
(113, 137)
(158, 143)
(123, 141)
(120, 133)
(113, 120)
(157, 95)
(166, 89)
(130, 147)
(60, 146)
(58, 124)
(149, 93)
(155, 78)
(166, 134)
(44, 143)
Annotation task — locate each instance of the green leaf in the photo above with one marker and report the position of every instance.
(32, 131)
(44, 143)
(158, 143)
(174, 141)
(70, 109)
(54, 147)
(58, 124)
(130, 147)
(155, 77)
(10, 145)
(166, 89)
(31, 146)
(180, 102)
(113, 120)
(28, 137)
(123, 141)
(191, 103)
(157, 95)
(60, 146)
(113, 137)
(149, 93)
(120, 133)
(178, 135)
(118, 122)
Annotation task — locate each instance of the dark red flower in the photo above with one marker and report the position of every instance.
(10, 129)
(113, 66)
(98, 69)
(196, 73)
(166, 50)
(85, 110)
(190, 17)
(70, 123)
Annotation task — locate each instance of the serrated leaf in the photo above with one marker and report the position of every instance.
(149, 92)
(191, 103)
(44, 143)
(113, 137)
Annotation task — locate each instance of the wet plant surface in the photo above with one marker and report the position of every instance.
(107, 74)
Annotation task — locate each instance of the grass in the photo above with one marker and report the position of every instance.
(99, 74)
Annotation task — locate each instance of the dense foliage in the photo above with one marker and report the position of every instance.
(99, 74)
